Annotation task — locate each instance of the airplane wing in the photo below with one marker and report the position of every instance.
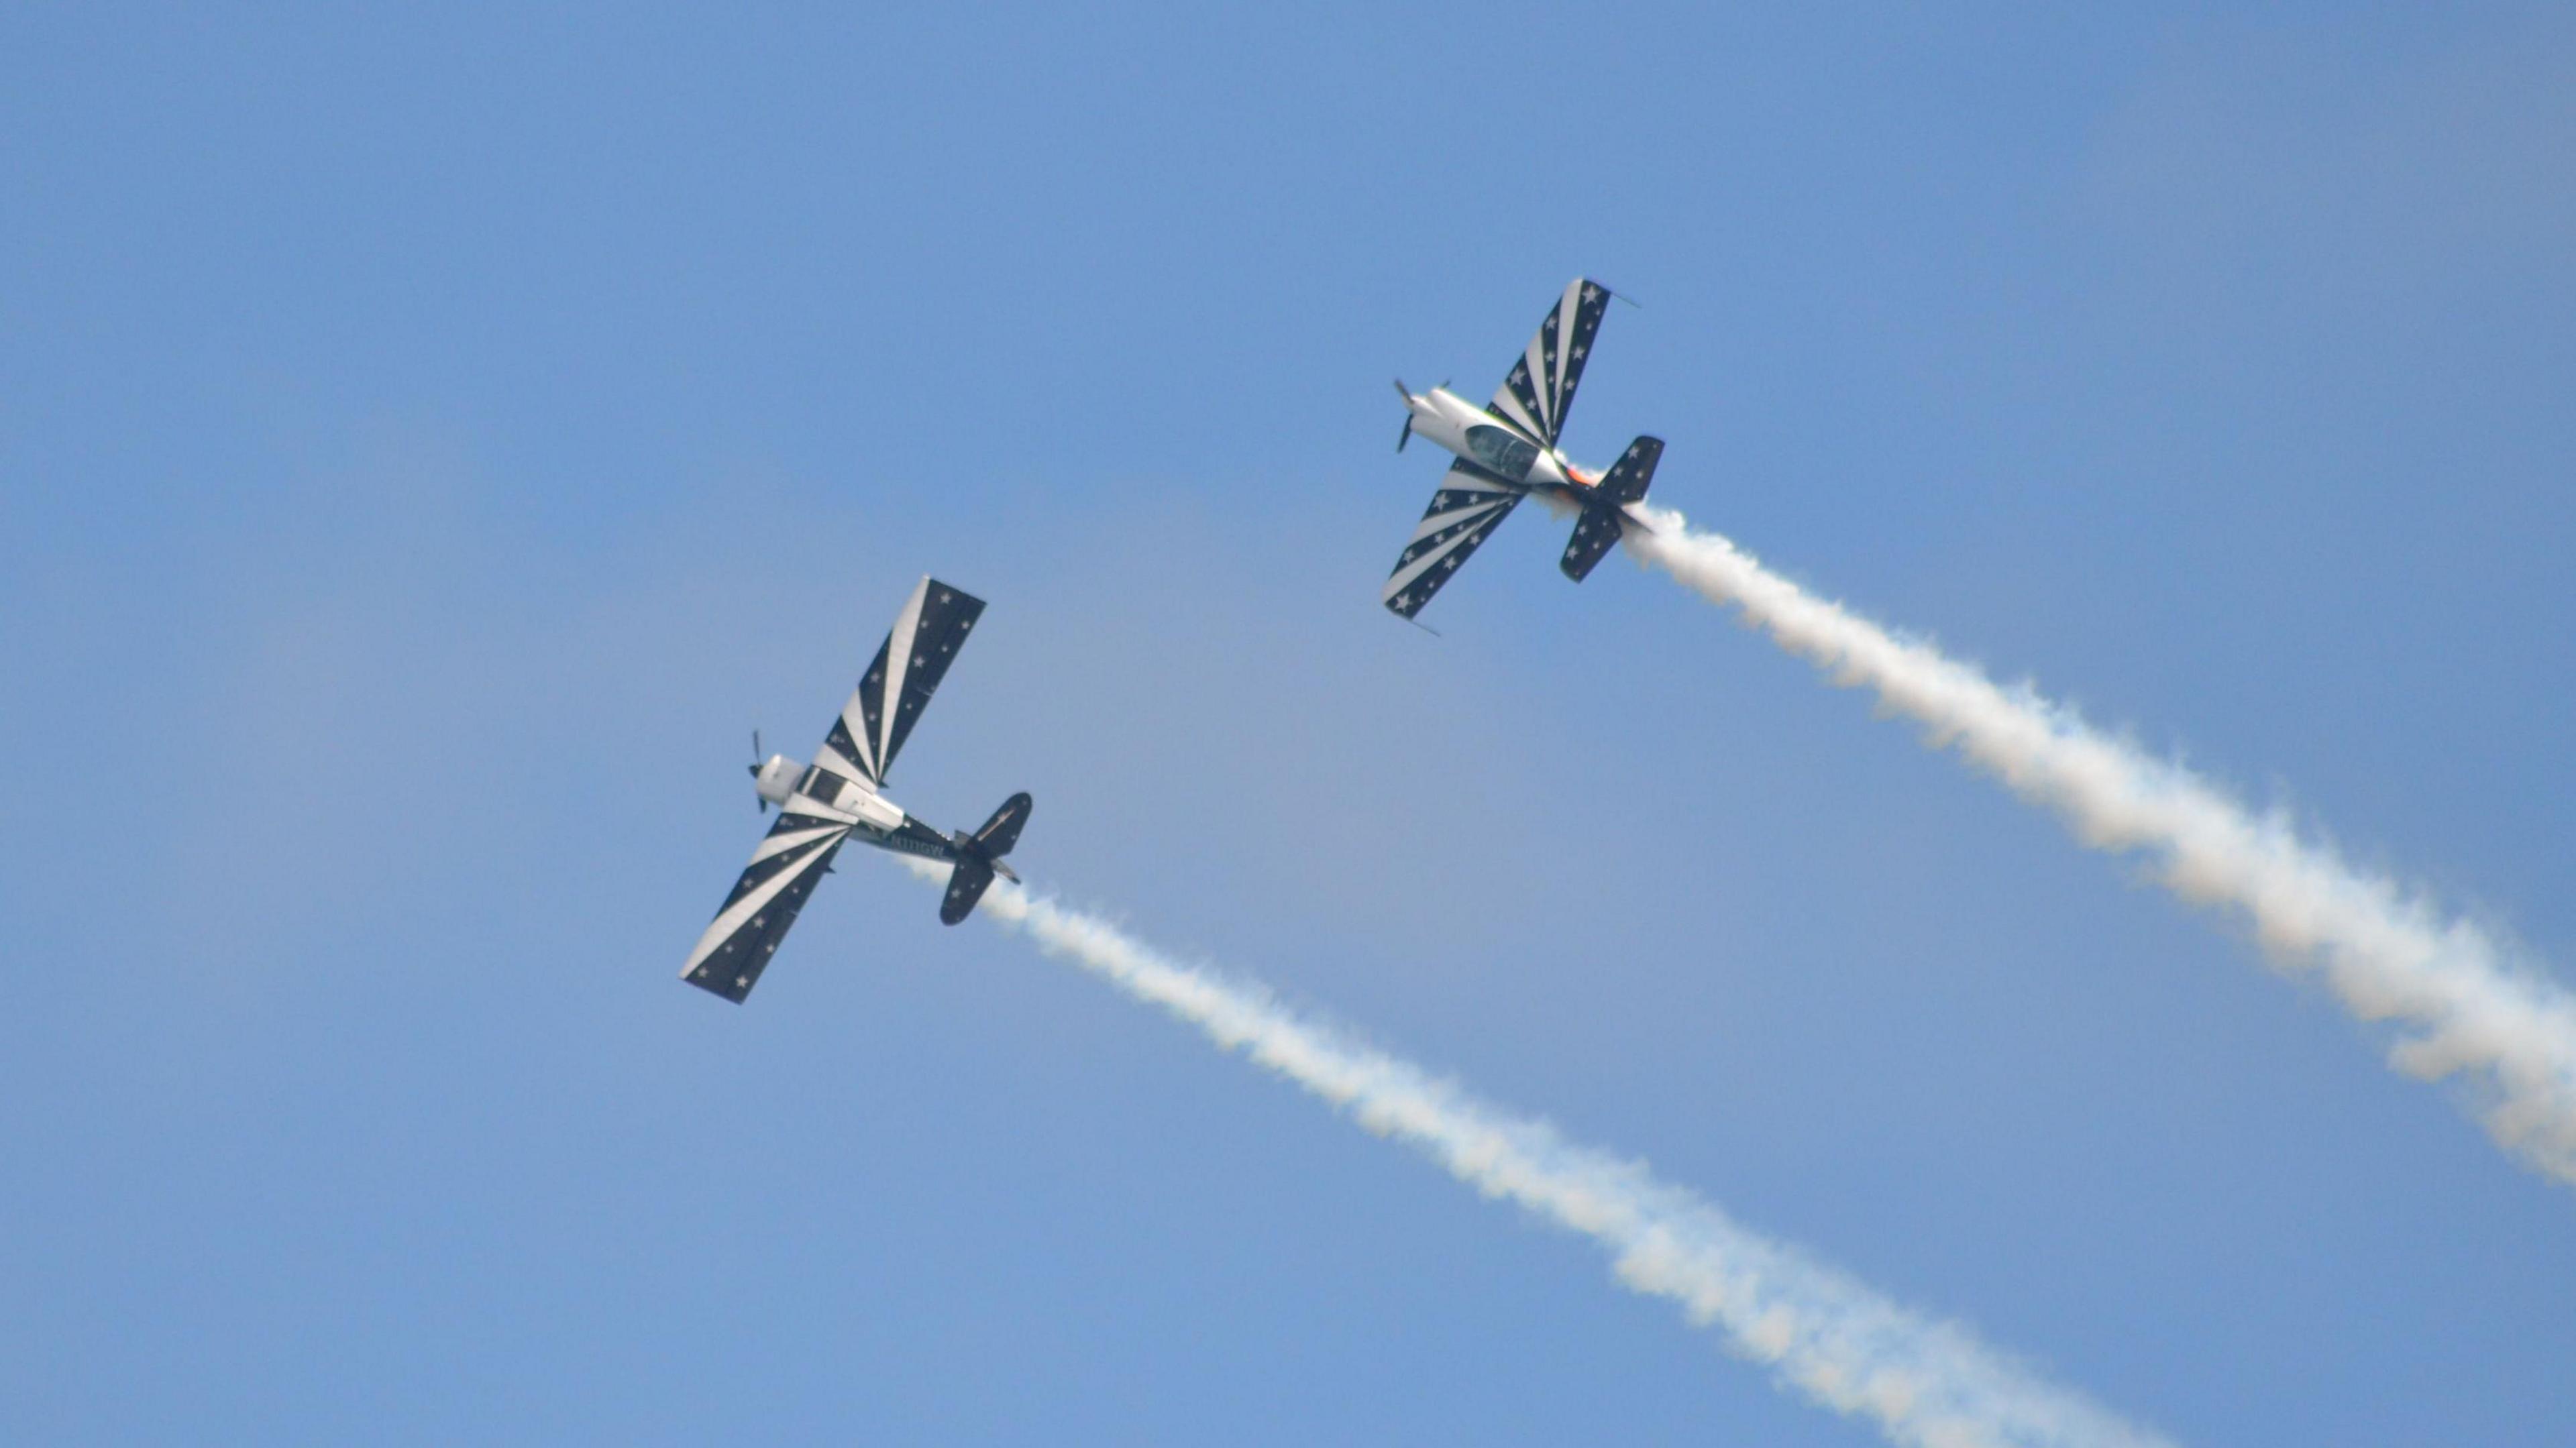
(909, 665)
(1534, 398)
(746, 932)
(1470, 504)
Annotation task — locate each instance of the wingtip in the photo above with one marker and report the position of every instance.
(718, 989)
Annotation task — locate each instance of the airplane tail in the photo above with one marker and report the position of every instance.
(1604, 519)
(979, 858)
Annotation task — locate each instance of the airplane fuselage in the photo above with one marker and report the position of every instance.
(1445, 418)
(873, 818)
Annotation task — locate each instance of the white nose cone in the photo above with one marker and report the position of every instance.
(777, 778)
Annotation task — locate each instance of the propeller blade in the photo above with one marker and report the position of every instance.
(1405, 436)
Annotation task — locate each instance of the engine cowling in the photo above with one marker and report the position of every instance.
(776, 778)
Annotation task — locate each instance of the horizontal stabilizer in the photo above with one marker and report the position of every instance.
(1629, 477)
(1594, 532)
(1604, 518)
(1001, 833)
(966, 885)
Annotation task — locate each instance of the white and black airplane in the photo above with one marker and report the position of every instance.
(836, 798)
(1507, 451)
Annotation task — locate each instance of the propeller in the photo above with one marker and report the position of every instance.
(1406, 393)
(757, 797)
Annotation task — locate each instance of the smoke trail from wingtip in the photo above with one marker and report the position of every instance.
(1923, 1383)
(2470, 1010)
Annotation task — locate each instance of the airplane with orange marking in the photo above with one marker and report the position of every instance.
(1507, 450)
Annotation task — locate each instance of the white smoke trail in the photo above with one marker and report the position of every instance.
(1922, 1382)
(2477, 1013)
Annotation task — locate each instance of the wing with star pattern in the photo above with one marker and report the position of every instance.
(909, 665)
(1470, 504)
(1534, 398)
(797, 852)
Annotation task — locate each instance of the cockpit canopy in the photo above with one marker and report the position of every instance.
(1502, 451)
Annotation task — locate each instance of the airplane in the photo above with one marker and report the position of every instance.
(838, 798)
(1507, 451)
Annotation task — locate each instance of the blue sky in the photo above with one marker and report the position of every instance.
(428, 445)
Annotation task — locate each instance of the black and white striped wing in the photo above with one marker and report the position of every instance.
(909, 665)
(1534, 398)
(1470, 504)
(796, 853)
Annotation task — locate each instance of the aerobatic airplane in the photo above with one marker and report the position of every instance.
(1508, 451)
(836, 798)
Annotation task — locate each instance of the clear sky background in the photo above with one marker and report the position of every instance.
(430, 444)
